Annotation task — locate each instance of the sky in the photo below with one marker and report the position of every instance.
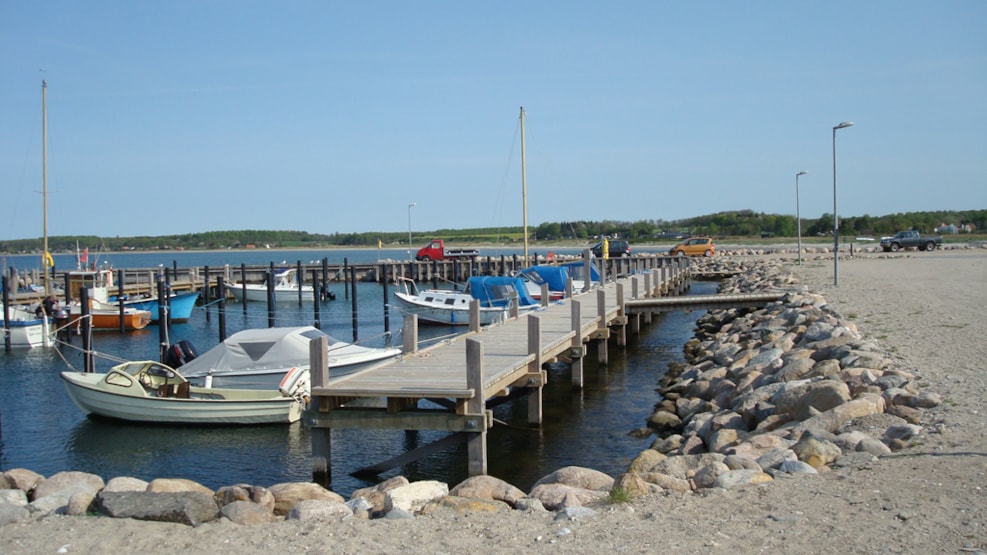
(334, 117)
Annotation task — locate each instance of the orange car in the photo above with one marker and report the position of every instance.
(694, 246)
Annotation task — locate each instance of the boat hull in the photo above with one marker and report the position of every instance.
(259, 294)
(180, 305)
(27, 334)
(452, 316)
(105, 320)
(86, 394)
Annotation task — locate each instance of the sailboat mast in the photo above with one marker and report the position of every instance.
(524, 190)
(44, 185)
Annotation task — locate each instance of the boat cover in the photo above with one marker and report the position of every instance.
(499, 290)
(256, 349)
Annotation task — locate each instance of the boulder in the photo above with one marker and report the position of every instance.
(23, 479)
(188, 507)
(125, 483)
(176, 485)
(488, 488)
(246, 512)
(287, 494)
(578, 477)
(414, 496)
(67, 480)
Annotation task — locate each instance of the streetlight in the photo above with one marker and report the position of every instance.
(798, 215)
(410, 206)
(836, 220)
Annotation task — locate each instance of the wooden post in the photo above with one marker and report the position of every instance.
(205, 293)
(120, 296)
(544, 295)
(387, 301)
(301, 281)
(243, 287)
(356, 319)
(476, 442)
(622, 316)
(535, 408)
(162, 322)
(602, 355)
(410, 333)
(647, 293)
(474, 315)
(315, 298)
(271, 312)
(88, 359)
(588, 271)
(6, 313)
(318, 352)
(221, 298)
(576, 350)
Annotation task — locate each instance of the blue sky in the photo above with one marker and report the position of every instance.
(176, 117)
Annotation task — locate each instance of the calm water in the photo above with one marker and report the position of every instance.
(43, 431)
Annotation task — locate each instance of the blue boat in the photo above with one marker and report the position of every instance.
(180, 305)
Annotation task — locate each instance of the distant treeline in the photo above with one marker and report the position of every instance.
(740, 223)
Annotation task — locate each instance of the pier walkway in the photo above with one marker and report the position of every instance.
(452, 386)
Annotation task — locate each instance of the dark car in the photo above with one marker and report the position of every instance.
(615, 249)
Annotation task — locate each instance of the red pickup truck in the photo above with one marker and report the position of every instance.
(435, 250)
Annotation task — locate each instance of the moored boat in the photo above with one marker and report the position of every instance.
(259, 358)
(496, 295)
(179, 305)
(27, 329)
(151, 392)
(286, 289)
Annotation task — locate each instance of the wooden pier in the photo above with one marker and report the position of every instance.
(452, 386)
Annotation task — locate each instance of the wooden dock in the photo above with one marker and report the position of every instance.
(453, 385)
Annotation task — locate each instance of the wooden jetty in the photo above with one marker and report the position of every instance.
(452, 386)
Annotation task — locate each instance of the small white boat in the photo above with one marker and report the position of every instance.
(151, 392)
(260, 358)
(496, 295)
(27, 329)
(286, 288)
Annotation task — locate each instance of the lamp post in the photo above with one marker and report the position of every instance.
(836, 220)
(798, 214)
(410, 206)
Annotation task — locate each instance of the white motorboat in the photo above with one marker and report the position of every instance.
(259, 358)
(27, 329)
(286, 289)
(151, 392)
(496, 295)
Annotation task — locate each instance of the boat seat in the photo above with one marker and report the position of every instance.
(166, 390)
(183, 391)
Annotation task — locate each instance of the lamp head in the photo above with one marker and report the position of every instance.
(844, 124)
(803, 172)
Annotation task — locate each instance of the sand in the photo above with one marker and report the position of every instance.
(925, 309)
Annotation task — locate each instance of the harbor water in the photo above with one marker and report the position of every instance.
(40, 428)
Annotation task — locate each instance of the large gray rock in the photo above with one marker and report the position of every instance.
(23, 479)
(488, 488)
(286, 495)
(246, 512)
(10, 513)
(414, 496)
(191, 508)
(70, 480)
(579, 477)
(559, 496)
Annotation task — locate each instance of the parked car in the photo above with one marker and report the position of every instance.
(694, 246)
(615, 249)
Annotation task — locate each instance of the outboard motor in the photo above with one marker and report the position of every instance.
(180, 353)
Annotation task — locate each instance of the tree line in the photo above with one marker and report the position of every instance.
(739, 223)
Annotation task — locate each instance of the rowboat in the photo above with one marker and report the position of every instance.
(151, 392)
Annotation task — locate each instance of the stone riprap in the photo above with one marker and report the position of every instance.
(791, 389)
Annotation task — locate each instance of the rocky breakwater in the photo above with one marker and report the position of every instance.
(791, 388)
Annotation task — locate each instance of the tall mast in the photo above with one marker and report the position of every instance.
(44, 184)
(524, 190)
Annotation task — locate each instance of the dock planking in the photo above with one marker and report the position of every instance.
(464, 375)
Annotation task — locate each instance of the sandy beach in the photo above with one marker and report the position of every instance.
(925, 309)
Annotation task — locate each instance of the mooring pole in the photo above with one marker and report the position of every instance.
(315, 299)
(162, 322)
(221, 295)
(353, 300)
(205, 293)
(387, 303)
(271, 316)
